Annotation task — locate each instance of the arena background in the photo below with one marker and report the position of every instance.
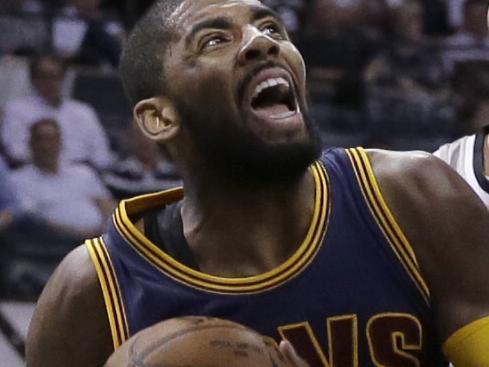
(397, 74)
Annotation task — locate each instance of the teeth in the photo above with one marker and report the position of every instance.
(272, 82)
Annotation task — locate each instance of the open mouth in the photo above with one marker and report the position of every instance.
(275, 98)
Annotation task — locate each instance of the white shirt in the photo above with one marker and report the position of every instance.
(83, 137)
(466, 156)
(67, 198)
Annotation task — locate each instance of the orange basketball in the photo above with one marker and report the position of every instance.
(198, 342)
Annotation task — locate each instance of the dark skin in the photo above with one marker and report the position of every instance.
(47, 80)
(444, 221)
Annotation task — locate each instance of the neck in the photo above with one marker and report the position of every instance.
(238, 230)
(54, 102)
(51, 101)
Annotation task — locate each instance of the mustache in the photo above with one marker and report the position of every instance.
(244, 83)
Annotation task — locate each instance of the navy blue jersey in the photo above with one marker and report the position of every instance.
(352, 294)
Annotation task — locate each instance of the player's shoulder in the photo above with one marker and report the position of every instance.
(70, 322)
(406, 164)
(420, 177)
(74, 279)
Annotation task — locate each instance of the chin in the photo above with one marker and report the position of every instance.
(253, 150)
(253, 161)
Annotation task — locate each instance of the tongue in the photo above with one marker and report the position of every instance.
(274, 110)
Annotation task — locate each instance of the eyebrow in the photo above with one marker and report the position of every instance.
(216, 23)
(258, 12)
(227, 23)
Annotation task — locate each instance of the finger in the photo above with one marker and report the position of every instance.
(289, 352)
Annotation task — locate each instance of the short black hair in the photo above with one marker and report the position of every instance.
(141, 64)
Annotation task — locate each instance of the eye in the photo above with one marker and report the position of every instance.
(213, 41)
(272, 30)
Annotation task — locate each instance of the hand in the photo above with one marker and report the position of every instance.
(289, 352)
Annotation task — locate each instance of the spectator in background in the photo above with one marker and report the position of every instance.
(347, 35)
(471, 41)
(333, 16)
(69, 197)
(83, 35)
(470, 88)
(144, 170)
(83, 136)
(23, 28)
(406, 84)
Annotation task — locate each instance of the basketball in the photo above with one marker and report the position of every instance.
(198, 342)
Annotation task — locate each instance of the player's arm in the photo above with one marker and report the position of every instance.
(448, 227)
(69, 326)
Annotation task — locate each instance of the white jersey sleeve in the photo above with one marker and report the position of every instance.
(466, 156)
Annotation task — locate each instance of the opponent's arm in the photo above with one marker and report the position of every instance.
(70, 326)
(448, 227)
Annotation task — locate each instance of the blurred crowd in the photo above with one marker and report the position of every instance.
(398, 74)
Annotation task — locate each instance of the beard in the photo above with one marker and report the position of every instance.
(239, 156)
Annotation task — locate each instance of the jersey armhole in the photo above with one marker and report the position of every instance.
(112, 295)
(386, 220)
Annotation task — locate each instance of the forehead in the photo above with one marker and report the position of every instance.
(191, 11)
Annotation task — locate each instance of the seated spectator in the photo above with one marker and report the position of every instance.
(406, 84)
(69, 197)
(144, 170)
(23, 28)
(338, 41)
(84, 138)
(83, 35)
(410, 59)
(471, 41)
(470, 88)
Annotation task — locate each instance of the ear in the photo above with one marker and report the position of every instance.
(157, 118)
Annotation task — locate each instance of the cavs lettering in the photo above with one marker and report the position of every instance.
(352, 294)
(394, 339)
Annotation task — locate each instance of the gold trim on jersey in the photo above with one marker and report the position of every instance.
(305, 325)
(386, 220)
(178, 271)
(111, 291)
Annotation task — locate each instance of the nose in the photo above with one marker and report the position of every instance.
(257, 46)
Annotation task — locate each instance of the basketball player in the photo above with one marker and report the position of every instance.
(469, 156)
(358, 258)
(201, 342)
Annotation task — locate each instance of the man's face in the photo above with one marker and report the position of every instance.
(47, 79)
(239, 83)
